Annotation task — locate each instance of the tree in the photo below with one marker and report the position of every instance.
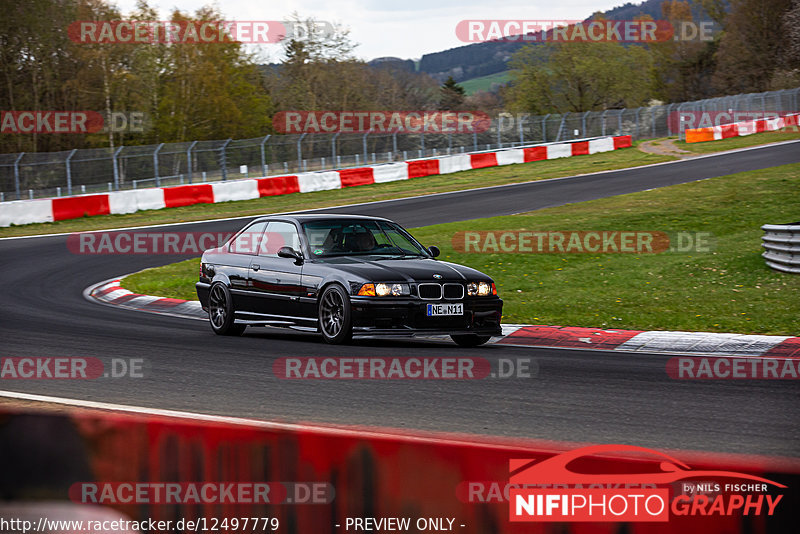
(451, 97)
(791, 25)
(751, 47)
(682, 68)
(578, 77)
(211, 91)
(40, 68)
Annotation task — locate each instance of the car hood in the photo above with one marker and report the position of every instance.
(408, 270)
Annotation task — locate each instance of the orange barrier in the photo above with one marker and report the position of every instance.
(699, 135)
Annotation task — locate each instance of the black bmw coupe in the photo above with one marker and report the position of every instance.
(343, 276)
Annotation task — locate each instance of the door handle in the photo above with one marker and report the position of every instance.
(255, 266)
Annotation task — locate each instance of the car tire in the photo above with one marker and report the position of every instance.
(470, 340)
(335, 316)
(221, 314)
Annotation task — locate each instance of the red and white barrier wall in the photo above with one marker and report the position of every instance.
(121, 202)
(372, 472)
(738, 129)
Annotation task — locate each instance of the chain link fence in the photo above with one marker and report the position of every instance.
(51, 174)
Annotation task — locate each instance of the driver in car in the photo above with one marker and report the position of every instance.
(365, 242)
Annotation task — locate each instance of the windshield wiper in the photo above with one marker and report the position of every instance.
(403, 255)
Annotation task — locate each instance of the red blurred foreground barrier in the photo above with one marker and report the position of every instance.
(311, 479)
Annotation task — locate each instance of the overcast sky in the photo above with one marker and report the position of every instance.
(406, 29)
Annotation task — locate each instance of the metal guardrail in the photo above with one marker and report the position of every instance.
(782, 244)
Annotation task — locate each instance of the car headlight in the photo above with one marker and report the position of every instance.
(481, 289)
(384, 289)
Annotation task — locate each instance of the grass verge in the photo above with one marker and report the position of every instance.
(729, 289)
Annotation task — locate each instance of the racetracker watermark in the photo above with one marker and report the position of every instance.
(578, 31)
(115, 493)
(581, 242)
(402, 368)
(157, 243)
(69, 368)
(731, 368)
(195, 31)
(70, 122)
(404, 122)
(685, 120)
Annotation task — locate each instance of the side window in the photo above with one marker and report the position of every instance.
(247, 241)
(278, 234)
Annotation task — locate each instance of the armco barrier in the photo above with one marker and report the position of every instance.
(59, 209)
(782, 244)
(738, 129)
(373, 474)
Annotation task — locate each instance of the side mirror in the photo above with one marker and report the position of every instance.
(434, 250)
(289, 252)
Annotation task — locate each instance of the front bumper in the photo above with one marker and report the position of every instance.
(376, 316)
(203, 289)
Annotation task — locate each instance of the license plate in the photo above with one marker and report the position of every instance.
(445, 309)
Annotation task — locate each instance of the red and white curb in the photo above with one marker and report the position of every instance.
(654, 341)
(123, 202)
(110, 292)
(651, 341)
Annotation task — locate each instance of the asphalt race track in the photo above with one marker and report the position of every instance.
(578, 396)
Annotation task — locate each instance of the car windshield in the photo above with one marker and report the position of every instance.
(362, 237)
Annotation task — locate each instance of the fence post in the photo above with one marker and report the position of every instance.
(637, 122)
(263, 156)
(619, 119)
(300, 150)
(521, 134)
(653, 120)
(561, 125)
(681, 129)
(155, 164)
(115, 166)
(333, 145)
(189, 160)
(364, 144)
(223, 162)
(603, 118)
(422, 136)
(475, 140)
(16, 174)
(583, 124)
(394, 144)
(69, 172)
(544, 128)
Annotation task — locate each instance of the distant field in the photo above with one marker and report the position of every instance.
(484, 83)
